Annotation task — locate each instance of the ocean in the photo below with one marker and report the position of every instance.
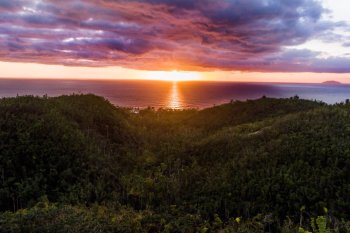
(178, 95)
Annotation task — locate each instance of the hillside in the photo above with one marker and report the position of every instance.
(77, 164)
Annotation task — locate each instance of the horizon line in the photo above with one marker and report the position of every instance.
(171, 81)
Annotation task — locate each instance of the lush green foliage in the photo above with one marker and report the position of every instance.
(260, 165)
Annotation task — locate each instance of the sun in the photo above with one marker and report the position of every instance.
(174, 76)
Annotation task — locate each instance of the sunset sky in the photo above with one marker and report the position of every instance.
(237, 40)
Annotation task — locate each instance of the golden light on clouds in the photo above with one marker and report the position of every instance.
(33, 70)
(43, 71)
(95, 43)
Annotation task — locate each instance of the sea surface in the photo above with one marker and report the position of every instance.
(165, 94)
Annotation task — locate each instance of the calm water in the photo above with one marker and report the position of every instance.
(173, 95)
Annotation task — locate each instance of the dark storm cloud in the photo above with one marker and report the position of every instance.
(167, 34)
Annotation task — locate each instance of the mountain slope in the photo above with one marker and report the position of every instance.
(173, 170)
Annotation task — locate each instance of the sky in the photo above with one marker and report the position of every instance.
(224, 40)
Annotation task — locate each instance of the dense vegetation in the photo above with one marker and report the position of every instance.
(79, 164)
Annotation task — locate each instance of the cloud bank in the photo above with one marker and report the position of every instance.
(245, 35)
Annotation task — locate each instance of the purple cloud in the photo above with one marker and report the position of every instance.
(167, 34)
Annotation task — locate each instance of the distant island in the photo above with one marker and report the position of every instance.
(332, 82)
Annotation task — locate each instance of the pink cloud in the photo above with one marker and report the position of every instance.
(167, 34)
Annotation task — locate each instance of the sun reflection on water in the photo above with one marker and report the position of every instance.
(175, 97)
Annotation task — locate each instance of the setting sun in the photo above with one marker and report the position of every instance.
(173, 76)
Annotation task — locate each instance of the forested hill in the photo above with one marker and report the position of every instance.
(79, 164)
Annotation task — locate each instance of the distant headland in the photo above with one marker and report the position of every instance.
(332, 82)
